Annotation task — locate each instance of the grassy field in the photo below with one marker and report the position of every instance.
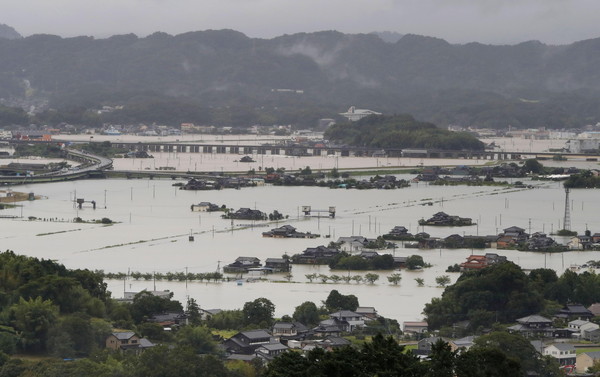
(579, 350)
(225, 334)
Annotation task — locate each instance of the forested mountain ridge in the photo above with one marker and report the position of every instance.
(528, 84)
(8, 32)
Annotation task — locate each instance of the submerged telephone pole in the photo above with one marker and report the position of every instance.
(567, 219)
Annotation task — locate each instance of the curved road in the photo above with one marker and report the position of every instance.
(92, 166)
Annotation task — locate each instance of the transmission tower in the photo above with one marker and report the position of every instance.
(567, 219)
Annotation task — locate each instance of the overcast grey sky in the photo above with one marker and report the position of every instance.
(457, 21)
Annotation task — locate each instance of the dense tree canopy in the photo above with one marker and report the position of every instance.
(383, 357)
(399, 131)
(258, 312)
(145, 304)
(71, 290)
(307, 313)
(503, 293)
(336, 301)
(498, 293)
(584, 179)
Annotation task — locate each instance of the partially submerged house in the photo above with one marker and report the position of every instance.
(540, 242)
(277, 264)
(352, 244)
(205, 207)
(443, 219)
(316, 255)
(477, 262)
(242, 264)
(246, 214)
(398, 233)
(288, 231)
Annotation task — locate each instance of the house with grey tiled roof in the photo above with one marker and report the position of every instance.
(330, 327)
(246, 342)
(533, 326)
(574, 311)
(563, 352)
(271, 350)
(350, 320)
(289, 330)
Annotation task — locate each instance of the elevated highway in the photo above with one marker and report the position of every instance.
(342, 151)
(91, 166)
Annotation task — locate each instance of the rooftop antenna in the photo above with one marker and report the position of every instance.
(567, 219)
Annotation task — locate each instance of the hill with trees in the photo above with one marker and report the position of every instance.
(400, 131)
(223, 77)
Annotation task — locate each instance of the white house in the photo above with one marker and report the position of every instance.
(353, 114)
(352, 244)
(563, 352)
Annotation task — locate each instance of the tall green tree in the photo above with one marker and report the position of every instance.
(33, 318)
(441, 360)
(518, 348)
(258, 312)
(289, 364)
(486, 362)
(145, 304)
(198, 337)
(307, 313)
(336, 301)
